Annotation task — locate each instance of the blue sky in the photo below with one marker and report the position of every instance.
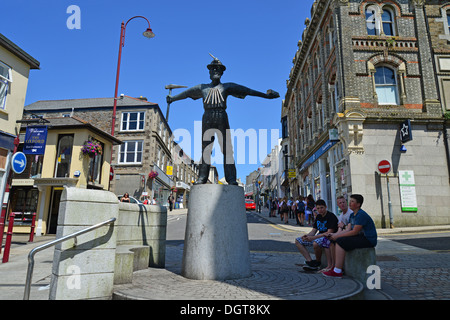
(255, 39)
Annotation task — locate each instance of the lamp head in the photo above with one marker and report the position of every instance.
(149, 33)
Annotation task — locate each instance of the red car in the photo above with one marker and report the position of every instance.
(250, 204)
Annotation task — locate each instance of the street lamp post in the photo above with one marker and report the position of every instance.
(148, 34)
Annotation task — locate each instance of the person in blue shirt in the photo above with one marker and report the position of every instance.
(360, 233)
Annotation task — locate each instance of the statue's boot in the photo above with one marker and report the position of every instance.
(203, 174)
(230, 174)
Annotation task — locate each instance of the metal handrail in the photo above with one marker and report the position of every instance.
(26, 295)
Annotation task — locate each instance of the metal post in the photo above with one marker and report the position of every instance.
(122, 35)
(8, 238)
(6, 191)
(170, 87)
(33, 225)
(168, 106)
(391, 217)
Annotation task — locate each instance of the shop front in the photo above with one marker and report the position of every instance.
(182, 195)
(161, 187)
(63, 164)
(317, 177)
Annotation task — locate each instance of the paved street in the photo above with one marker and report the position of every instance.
(414, 265)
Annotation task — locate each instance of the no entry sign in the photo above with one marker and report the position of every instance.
(384, 167)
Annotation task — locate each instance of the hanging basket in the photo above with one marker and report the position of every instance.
(91, 148)
(152, 174)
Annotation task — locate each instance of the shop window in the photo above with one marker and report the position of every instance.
(24, 203)
(64, 155)
(386, 85)
(3, 158)
(95, 167)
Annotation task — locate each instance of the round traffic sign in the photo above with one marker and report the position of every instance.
(384, 167)
(19, 162)
(111, 173)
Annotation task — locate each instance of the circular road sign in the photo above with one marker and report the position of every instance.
(384, 167)
(19, 162)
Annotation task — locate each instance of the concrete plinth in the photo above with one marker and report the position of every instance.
(216, 241)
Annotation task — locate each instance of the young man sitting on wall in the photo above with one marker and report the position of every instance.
(360, 233)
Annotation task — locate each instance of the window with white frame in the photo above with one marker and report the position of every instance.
(371, 20)
(131, 152)
(386, 85)
(380, 21)
(5, 80)
(448, 21)
(387, 19)
(158, 156)
(133, 121)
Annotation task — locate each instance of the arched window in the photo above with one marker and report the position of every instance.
(448, 21)
(371, 21)
(386, 85)
(387, 18)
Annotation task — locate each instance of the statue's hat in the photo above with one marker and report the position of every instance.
(216, 62)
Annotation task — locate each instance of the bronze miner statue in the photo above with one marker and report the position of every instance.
(215, 119)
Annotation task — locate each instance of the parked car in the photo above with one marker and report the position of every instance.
(250, 204)
(132, 199)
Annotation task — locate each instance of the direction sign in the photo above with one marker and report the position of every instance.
(384, 167)
(18, 162)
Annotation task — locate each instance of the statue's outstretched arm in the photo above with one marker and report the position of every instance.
(193, 93)
(239, 91)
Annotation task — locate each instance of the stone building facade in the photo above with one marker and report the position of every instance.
(147, 144)
(364, 70)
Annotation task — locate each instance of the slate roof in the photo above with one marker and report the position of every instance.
(13, 48)
(91, 103)
(75, 122)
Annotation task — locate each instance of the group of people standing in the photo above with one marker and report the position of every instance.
(303, 209)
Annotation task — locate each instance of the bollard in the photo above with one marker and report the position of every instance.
(33, 223)
(8, 237)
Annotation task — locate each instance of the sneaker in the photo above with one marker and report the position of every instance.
(332, 274)
(313, 263)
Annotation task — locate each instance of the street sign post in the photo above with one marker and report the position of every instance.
(384, 167)
(18, 162)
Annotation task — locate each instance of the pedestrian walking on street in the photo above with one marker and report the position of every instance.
(170, 201)
(310, 204)
(284, 210)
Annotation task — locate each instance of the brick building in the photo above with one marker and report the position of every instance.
(147, 143)
(363, 71)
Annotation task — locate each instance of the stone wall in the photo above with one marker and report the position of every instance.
(425, 155)
(88, 267)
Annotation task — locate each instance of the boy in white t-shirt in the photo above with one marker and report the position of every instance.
(343, 221)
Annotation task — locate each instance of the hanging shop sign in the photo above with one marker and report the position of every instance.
(405, 131)
(35, 140)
